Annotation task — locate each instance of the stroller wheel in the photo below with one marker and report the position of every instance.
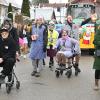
(8, 88)
(57, 73)
(17, 84)
(69, 73)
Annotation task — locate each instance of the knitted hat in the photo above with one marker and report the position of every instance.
(3, 30)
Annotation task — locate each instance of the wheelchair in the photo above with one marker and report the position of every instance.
(68, 69)
(9, 81)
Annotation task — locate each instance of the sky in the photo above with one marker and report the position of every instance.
(19, 2)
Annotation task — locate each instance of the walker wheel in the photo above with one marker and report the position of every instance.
(69, 73)
(76, 72)
(17, 84)
(57, 73)
(61, 72)
(8, 88)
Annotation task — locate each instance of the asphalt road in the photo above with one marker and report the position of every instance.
(48, 87)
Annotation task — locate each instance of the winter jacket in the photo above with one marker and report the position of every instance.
(96, 42)
(13, 32)
(7, 48)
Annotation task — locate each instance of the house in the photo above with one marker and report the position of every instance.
(4, 6)
(84, 1)
(95, 2)
(58, 8)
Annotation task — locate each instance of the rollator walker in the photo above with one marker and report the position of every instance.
(66, 67)
(9, 81)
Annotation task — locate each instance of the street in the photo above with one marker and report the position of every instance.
(48, 87)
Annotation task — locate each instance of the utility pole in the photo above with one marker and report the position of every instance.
(60, 11)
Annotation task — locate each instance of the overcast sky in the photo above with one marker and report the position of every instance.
(19, 2)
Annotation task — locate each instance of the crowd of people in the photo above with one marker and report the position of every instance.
(41, 40)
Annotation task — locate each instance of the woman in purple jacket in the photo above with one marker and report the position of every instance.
(67, 47)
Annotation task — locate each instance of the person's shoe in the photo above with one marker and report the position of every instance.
(51, 67)
(43, 63)
(96, 88)
(79, 70)
(37, 74)
(33, 73)
(76, 67)
(50, 64)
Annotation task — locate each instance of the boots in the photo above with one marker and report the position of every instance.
(43, 62)
(76, 67)
(51, 64)
(96, 85)
(34, 68)
(77, 70)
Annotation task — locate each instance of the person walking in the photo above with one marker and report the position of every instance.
(24, 43)
(52, 39)
(96, 64)
(38, 46)
(73, 32)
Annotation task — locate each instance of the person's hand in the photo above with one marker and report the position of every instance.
(1, 60)
(17, 56)
(34, 37)
(94, 17)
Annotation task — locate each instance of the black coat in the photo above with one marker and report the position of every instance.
(7, 48)
(13, 33)
(45, 38)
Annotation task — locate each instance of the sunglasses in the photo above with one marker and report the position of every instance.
(64, 35)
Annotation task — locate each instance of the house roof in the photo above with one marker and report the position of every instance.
(92, 1)
(54, 5)
(6, 3)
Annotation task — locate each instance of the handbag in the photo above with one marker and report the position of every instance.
(34, 37)
(97, 52)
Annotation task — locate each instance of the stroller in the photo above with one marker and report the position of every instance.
(9, 84)
(70, 63)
